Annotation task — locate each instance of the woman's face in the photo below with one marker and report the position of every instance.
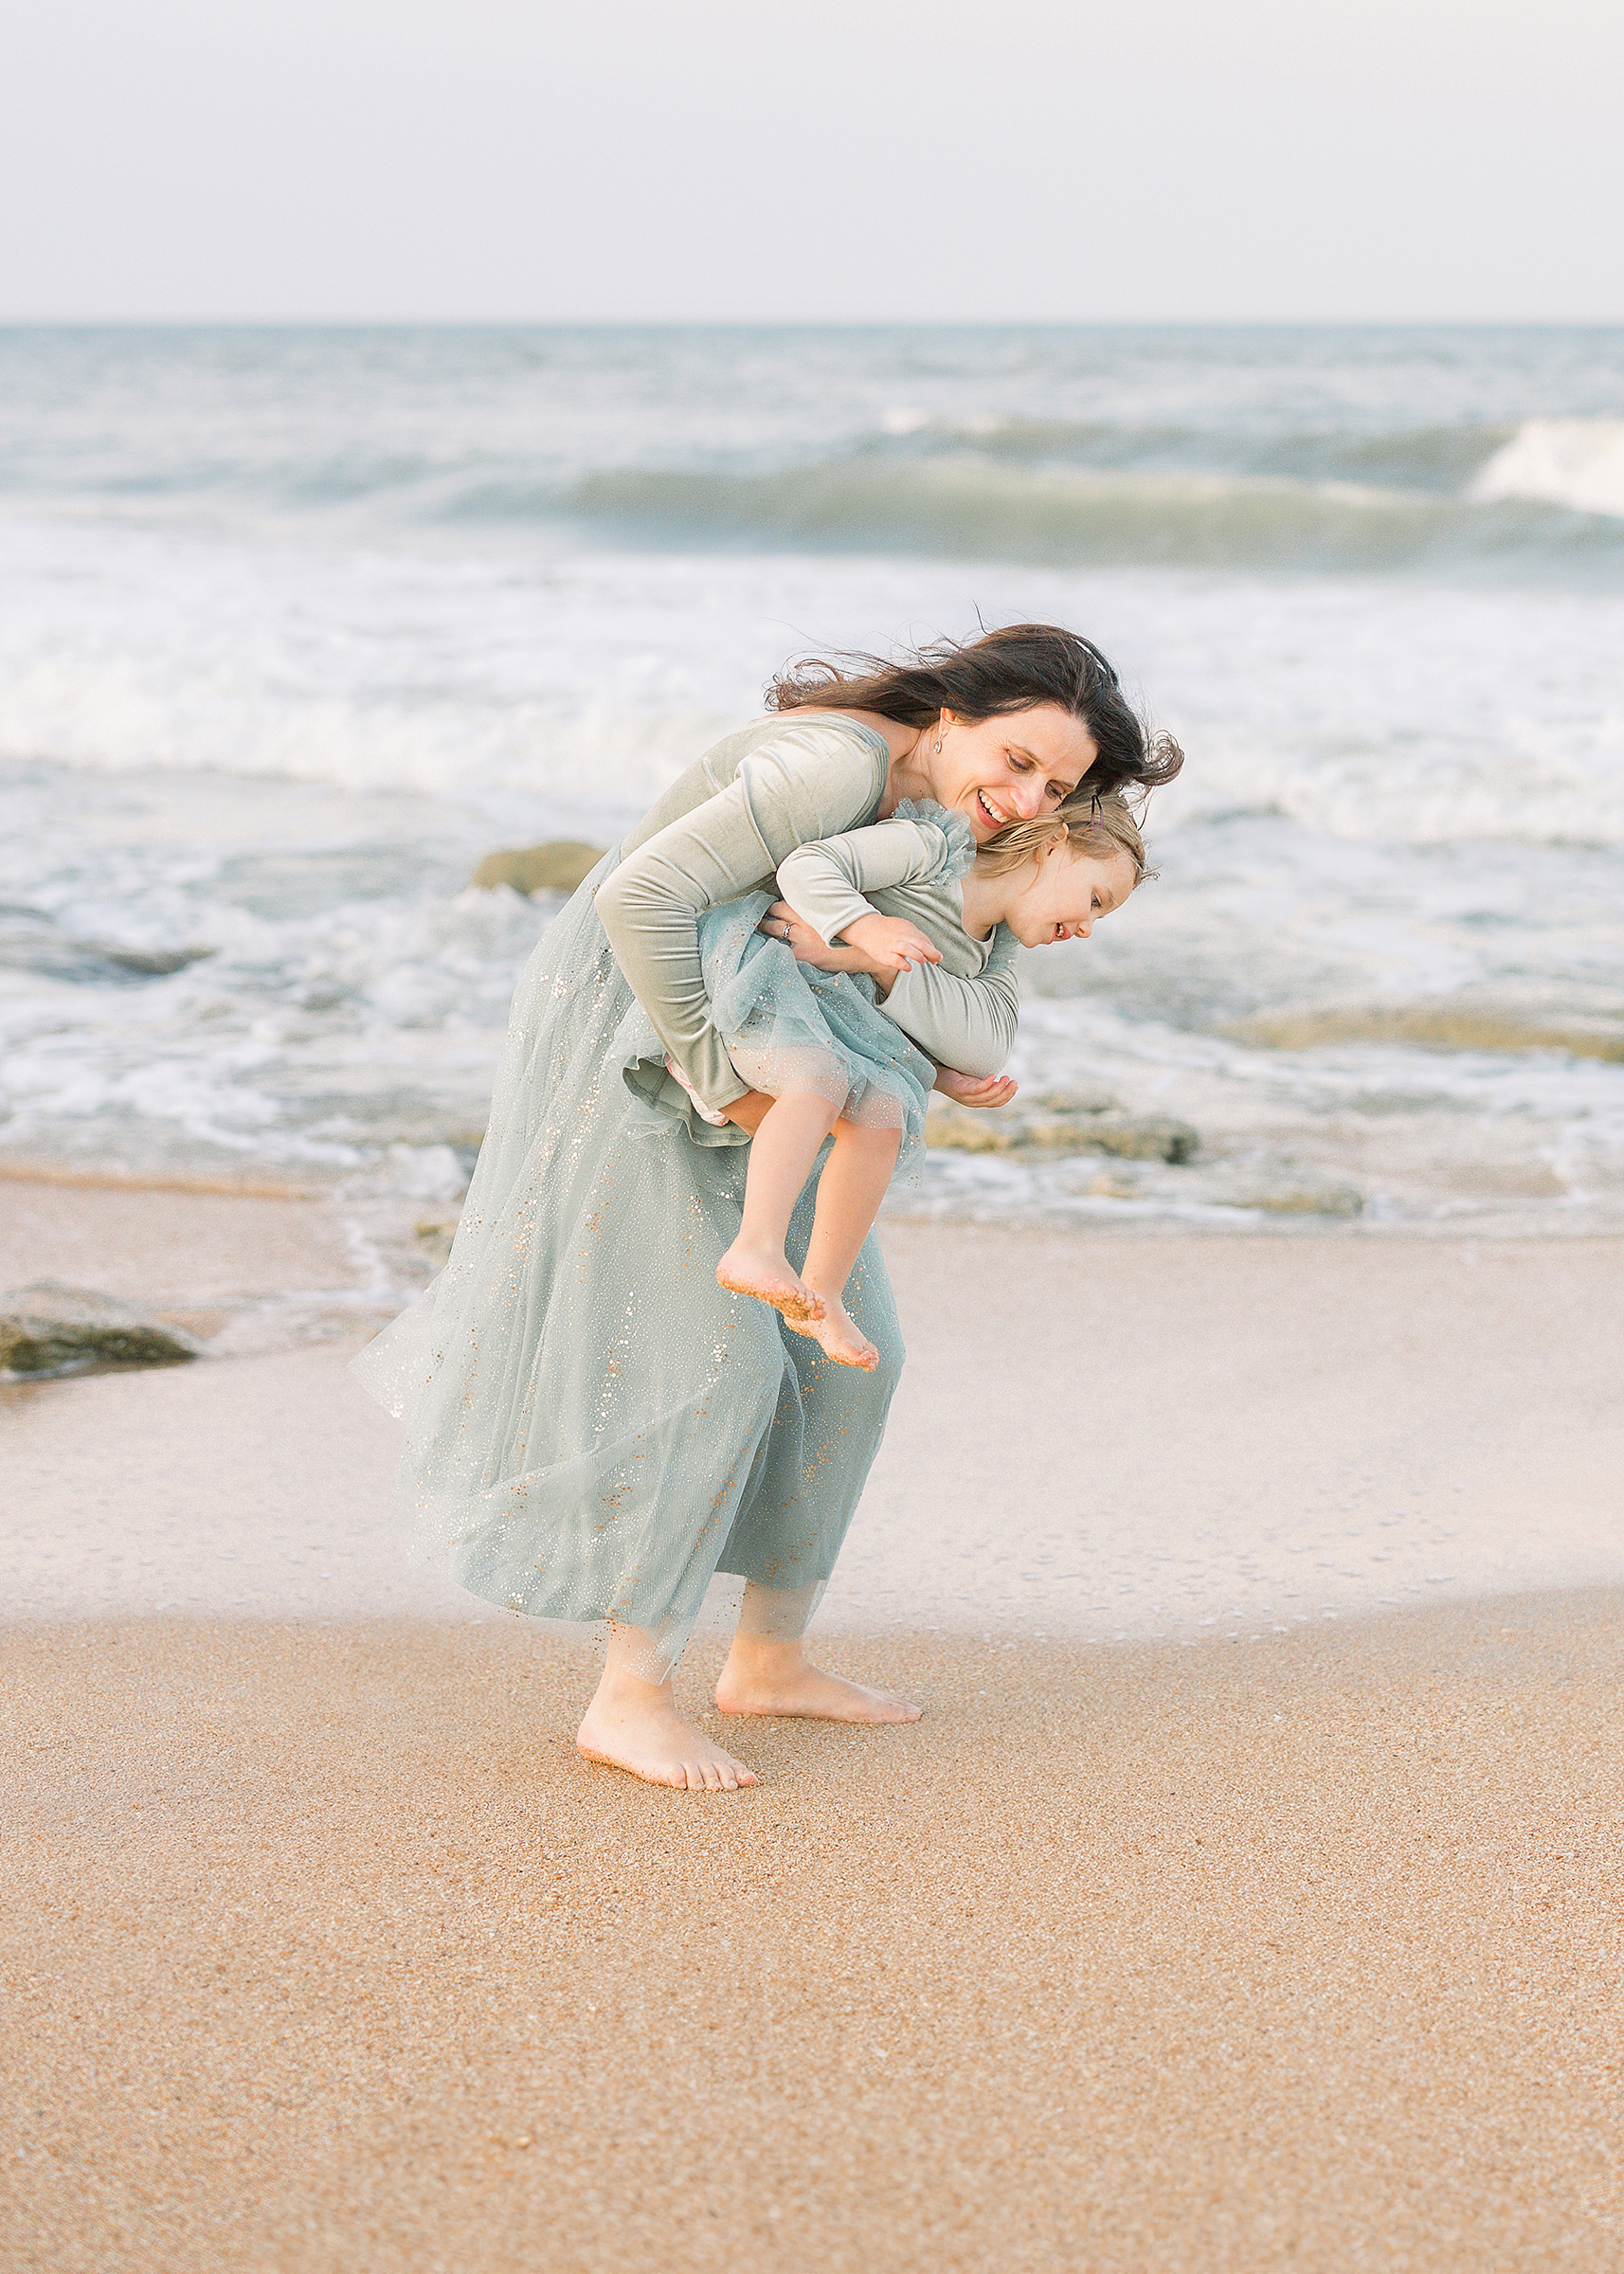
(997, 770)
(1066, 895)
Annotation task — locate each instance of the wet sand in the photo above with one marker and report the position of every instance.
(326, 1951)
(1094, 1437)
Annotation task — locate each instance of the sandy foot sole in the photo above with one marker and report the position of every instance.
(773, 1283)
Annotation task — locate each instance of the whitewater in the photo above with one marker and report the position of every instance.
(294, 626)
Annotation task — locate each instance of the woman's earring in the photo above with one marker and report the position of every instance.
(938, 745)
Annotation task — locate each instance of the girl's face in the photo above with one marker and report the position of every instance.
(1067, 893)
(996, 770)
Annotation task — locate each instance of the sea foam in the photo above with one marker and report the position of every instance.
(1575, 462)
(294, 628)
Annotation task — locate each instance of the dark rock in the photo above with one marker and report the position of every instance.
(1143, 1137)
(48, 1328)
(558, 867)
(1058, 1121)
(92, 963)
(154, 962)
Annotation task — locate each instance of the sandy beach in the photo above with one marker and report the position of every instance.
(327, 1951)
(1285, 1940)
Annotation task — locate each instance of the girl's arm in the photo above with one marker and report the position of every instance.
(970, 1024)
(824, 883)
(810, 781)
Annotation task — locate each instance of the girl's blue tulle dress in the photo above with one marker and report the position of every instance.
(791, 1029)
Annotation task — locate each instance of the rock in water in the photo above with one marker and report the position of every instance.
(1060, 1121)
(48, 1328)
(557, 867)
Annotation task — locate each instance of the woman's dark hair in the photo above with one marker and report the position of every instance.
(1002, 671)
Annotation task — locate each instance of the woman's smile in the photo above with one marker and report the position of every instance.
(1008, 769)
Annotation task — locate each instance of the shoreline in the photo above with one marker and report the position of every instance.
(1160, 1437)
(1115, 1218)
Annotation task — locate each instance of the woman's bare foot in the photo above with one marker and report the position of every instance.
(757, 1270)
(842, 1339)
(632, 1725)
(775, 1677)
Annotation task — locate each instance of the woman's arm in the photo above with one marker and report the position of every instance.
(812, 780)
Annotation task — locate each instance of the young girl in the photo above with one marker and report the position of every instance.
(821, 1044)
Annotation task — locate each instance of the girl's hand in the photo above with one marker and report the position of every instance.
(966, 1090)
(892, 942)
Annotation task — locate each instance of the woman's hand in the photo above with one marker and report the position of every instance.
(749, 1112)
(892, 942)
(966, 1090)
(808, 947)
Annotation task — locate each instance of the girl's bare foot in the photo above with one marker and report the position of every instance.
(842, 1339)
(632, 1725)
(757, 1270)
(775, 1677)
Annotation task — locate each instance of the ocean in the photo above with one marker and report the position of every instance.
(295, 625)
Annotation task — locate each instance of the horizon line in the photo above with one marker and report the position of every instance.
(810, 323)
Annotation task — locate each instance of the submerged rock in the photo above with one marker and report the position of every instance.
(434, 1236)
(1427, 1026)
(556, 867)
(1058, 1121)
(48, 1328)
(1311, 1199)
(93, 962)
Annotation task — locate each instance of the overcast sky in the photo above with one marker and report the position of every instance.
(859, 159)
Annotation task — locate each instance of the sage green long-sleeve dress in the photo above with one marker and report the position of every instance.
(593, 1426)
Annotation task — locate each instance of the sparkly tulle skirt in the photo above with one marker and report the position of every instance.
(791, 1029)
(594, 1426)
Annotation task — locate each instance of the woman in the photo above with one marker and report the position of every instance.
(594, 1426)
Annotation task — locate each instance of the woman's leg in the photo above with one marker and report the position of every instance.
(633, 1723)
(849, 1193)
(782, 1153)
(768, 1672)
(793, 1519)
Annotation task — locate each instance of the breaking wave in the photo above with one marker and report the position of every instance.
(966, 508)
(1574, 462)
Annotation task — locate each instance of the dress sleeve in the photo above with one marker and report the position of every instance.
(812, 780)
(824, 883)
(966, 1024)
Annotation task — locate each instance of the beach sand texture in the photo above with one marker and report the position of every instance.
(324, 1949)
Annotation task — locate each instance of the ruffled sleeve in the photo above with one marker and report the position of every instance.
(959, 838)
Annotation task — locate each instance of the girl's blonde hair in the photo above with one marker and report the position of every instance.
(1100, 828)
